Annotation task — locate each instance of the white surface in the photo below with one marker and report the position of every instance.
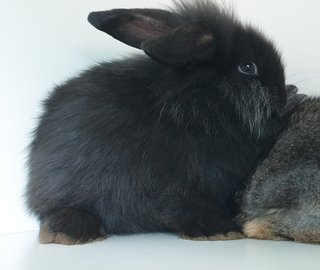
(155, 251)
(45, 42)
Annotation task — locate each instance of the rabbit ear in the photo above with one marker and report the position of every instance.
(134, 26)
(189, 42)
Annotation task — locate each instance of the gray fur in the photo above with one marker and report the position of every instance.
(248, 100)
(285, 189)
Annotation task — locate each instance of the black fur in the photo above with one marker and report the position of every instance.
(160, 143)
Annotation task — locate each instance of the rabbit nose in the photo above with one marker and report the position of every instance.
(291, 88)
(97, 18)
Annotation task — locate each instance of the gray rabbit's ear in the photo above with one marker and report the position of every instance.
(190, 42)
(134, 26)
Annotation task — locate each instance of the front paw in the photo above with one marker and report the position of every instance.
(214, 229)
(217, 237)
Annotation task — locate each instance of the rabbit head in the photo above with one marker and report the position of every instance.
(220, 66)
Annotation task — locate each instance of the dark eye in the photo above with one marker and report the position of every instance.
(248, 68)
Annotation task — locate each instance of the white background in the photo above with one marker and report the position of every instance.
(43, 43)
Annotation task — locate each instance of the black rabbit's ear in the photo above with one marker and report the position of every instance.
(189, 42)
(134, 26)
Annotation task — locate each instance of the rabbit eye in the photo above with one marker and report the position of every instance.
(248, 68)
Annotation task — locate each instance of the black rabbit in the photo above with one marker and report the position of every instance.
(157, 142)
(283, 199)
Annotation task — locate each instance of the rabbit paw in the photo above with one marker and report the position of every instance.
(261, 229)
(217, 237)
(70, 227)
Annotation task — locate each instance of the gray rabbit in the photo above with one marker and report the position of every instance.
(283, 199)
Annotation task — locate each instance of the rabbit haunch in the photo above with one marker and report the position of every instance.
(283, 199)
(162, 141)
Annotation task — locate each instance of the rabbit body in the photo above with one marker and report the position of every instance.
(158, 143)
(283, 199)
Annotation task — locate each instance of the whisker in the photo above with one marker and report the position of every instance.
(307, 79)
(301, 73)
(306, 89)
